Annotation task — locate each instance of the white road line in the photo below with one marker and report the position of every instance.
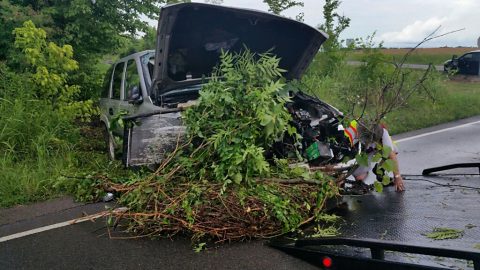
(435, 132)
(59, 225)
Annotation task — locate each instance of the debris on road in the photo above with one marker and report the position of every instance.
(444, 233)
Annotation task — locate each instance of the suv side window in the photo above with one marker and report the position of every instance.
(476, 56)
(132, 81)
(117, 81)
(468, 56)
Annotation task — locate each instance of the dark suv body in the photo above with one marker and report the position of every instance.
(467, 64)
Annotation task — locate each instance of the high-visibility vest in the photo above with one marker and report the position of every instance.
(351, 133)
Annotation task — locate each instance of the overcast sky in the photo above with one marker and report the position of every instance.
(399, 23)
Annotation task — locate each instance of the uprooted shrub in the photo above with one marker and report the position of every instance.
(219, 184)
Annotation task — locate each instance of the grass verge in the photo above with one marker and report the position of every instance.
(455, 100)
(425, 56)
(63, 172)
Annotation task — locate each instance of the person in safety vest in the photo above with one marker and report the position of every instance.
(359, 134)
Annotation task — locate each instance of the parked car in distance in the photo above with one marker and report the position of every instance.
(467, 64)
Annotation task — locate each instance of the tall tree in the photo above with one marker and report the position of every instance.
(334, 25)
(92, 27)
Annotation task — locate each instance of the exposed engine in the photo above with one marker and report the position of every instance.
(323, 140)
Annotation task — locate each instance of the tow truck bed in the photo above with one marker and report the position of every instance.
(392, 226)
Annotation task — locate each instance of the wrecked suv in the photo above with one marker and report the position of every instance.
(152, 88)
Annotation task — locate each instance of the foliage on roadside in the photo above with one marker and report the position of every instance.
(240, 114)
(218, 184)
(333, 56)
(277, 6)
(422, 56)
(35, 141)
(372, 91)
(93, 28)
(51, 66)
(38, 128)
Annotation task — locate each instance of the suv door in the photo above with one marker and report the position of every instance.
(476, 64)
(467, 64)
(110, 104)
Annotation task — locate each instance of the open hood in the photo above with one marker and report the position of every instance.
(190, 37)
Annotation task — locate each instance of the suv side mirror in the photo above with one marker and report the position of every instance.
(134, 96)
(454, 57)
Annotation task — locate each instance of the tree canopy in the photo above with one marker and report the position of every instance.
(93, 27)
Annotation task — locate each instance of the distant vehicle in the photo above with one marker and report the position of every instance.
(467, 64)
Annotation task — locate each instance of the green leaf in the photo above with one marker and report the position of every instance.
(265, 119)
(110, 220)
(237, 178)
(444, 233)
(378, 186)
(386, 151)
(306, 175)
(200, 247)
(362, 159)
(377, 157)
(388, 165)
(386, 180)
(269, 129)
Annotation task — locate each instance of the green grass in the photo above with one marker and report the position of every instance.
(436, 56)
(30, 180)
(453, 99)
(62, 173)
(39, 146)
(456, 100)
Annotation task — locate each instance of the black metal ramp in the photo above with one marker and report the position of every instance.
(404, 219)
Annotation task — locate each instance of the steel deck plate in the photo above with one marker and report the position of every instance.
(407, 216)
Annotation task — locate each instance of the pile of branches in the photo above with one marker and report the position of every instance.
(200, 210)
(219, 184)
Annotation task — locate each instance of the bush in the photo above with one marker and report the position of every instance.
(29, 127)
(241, 112)
(51, 65)
(36, 142)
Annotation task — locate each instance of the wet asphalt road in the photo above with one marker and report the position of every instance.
(457, 145)
(87, 246)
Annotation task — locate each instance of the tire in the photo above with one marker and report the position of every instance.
(109, 143)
